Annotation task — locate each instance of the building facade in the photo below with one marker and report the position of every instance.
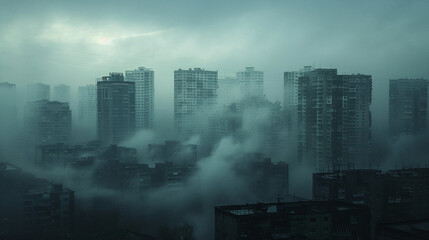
(334, 119)
(408, 106)
(144, 91)
(292, 220)
(115, 109)
(87, 106)
(38, 91)
(392, 196)
(228, 91)
(33, 208)
(290, 103)
(251, 82)
(173, 151)
(47, 122)
(61, 93)
(195, 94)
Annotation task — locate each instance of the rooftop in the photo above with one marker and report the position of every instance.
(299, 208)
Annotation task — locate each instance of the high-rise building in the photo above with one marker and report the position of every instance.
(195, 93)
(115, 108)
(408, 105)
(38, 91)
(334, 119)
(144, 85)
(292, 220)
(87, 113)
(48, 122)
(251, 82)
(61, 93)
(392, 196)
(8, 106)
(8, 115)
(228, 91)
(291, 95)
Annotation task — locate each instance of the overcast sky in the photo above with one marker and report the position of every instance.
(74, 42)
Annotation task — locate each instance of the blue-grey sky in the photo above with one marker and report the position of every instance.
(74, 42)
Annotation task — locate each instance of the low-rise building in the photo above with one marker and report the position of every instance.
(292, 220)
(30, 206)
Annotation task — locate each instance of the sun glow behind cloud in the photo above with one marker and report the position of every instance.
(74, 33)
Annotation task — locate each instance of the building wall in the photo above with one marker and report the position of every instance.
(61, 93)
(228, 91)
(408, 106)
(115, 109)
(48, 122)
(393, 196)
(38, 91)
(87, 107)
(195, 93)
(33, 207)
(144, 88)
(334, 119)
(251, 82)
(290, 93)
(294, 220)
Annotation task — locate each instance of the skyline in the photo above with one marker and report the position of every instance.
(67, 43)
(164, 119)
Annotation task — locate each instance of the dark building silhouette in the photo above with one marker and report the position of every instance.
(414, 230)
(268, 180)
(392, 196)
(292, 220)
(408, 105)
(334, 119)
(31, 207)
(47, 122)
(173, 151)
(115, 109)
(61, 154)
(8, 117)
(141, 177)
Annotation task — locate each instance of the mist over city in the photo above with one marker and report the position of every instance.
(214, 120)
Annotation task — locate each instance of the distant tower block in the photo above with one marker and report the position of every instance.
(144, 85)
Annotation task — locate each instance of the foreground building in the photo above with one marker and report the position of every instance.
(48, 122)
(195, 95)
(408, 106)
(115, 109)
(334, 119)
(392, 196)
(414, 230)
(144, 89)
(31, 207)
(293, 220)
